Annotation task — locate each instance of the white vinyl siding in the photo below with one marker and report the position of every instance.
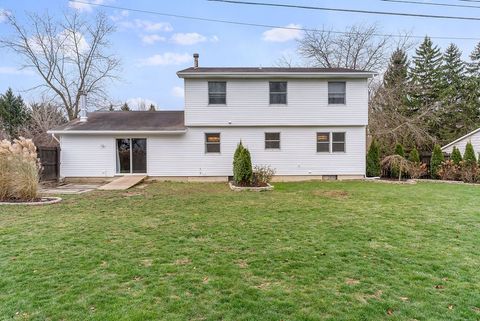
(184, 154)
(248, 104)
(474, 139)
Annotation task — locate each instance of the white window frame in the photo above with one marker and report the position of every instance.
(211, 143)
(330, 142)
(270, 93)
(344, 94)
(279, 140)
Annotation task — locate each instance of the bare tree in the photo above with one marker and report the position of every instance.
(69, 55)
(359, 47)
(43, 116)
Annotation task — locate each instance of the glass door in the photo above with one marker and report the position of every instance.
(131, 156)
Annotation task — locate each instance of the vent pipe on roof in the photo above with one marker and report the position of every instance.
(195, 60)
(83, 106)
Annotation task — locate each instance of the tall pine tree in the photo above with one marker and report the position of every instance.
(13, 113)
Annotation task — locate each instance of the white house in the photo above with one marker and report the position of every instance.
(472, 137)
(304, 122)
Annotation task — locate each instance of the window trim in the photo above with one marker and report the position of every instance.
(272, 140)
(345, 94)
(206, 143)
(270, 93)
(330, 142)
(208, 92)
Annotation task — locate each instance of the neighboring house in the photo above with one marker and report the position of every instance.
(304, 122)
(472, 137)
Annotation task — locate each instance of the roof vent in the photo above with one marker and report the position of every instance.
(195, 60)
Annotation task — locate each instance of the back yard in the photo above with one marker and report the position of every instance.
(306, 251)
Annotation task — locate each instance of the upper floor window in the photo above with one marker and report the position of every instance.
(272, 140)
(278, 92)
(212, 142)
(217, 92)
(336, 92)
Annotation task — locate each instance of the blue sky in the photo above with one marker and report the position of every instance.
(152, 48)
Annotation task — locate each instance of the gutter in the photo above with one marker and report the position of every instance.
(302, 75)
(117, 132)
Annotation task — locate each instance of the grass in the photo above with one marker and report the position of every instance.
(306, 251)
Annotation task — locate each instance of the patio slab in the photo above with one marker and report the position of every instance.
(69, 189)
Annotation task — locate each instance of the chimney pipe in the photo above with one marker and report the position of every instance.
(195, 60)
(83, 106)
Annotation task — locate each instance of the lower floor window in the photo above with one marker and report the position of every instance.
(131, 155)
(272, 140)
(212, 142)
(330, 142)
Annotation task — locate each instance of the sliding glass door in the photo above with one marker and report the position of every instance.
(131, 156)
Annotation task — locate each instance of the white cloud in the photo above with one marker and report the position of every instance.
(153, 26)
(283, 35)
(178, 92)
(119, 15)
(151, 39)
(15, 71)
(190, 38)
(214, 39)
(140, 103)
(3, 15)
(167, 58)
(84, 7)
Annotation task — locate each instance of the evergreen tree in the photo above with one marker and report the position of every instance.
(242, 166)
(152, 107)
(399, 150)
(13, 113)
(474, 65)
(125, 107)
(436, 160)
(111, 108)
(397, 71)
(469, 155)
(456, 156)
(414, 156)
(425, 73)
(373, 160)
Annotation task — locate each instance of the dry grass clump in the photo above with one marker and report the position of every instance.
(19, 170)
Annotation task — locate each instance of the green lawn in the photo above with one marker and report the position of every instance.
(306, 251)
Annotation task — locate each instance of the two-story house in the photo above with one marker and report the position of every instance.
(305, 122)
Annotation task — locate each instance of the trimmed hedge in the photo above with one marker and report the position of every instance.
(242, 166)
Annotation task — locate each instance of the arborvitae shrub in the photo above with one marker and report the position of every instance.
(436, 161)
(456, 156)
(469, 155)
(373, 160)
(242, 166)
(414, 157)
(399, 150)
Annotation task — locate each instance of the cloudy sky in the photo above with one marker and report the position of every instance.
(153, 47)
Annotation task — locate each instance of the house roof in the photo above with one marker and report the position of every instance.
(126, 121)
(193, 72)
(461, 138)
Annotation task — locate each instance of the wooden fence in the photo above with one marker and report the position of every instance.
(50, 160)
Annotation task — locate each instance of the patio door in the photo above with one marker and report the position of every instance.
(131, 156)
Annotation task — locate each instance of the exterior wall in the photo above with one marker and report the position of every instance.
(474, 139)
(184, 155)
(248, 104)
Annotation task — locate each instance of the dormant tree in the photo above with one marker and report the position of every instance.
(359, 47)
(70, 56)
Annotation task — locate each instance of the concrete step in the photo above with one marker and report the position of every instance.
(123, 183)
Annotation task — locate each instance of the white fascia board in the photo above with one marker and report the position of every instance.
(117, 132)
(304, 75)
(460, 139)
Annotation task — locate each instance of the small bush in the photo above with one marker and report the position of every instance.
(456, 156)
(19, 170)
(436, 160)
(242, 166)
(469, 155)
(373, 160)
(469, 173)
(396, 163)
(262, 175)
(417, 170)
(414, 157)
(399, 150)
(449, 171)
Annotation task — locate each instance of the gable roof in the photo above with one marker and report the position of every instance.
(295, 72)
(125, 121)
(461, 138)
